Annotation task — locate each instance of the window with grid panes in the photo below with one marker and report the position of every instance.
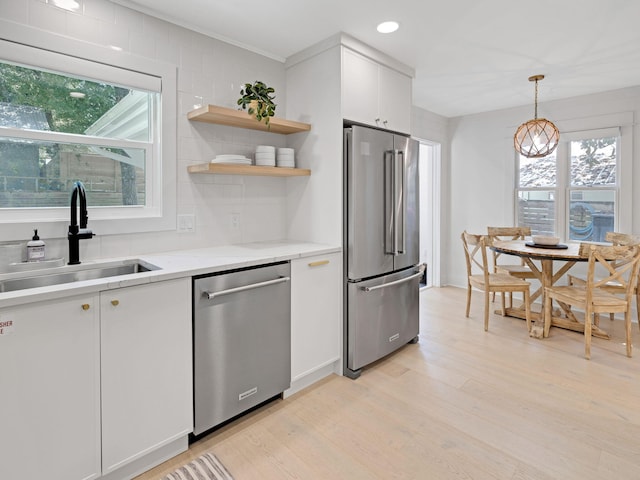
(574, 191)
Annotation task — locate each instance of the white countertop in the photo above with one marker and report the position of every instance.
(175, 264)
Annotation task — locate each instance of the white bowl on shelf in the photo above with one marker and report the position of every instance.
(266, 149)
(545, 240)
(265, 160)
(282, 163)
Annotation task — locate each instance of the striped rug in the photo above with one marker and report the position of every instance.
(205, 467)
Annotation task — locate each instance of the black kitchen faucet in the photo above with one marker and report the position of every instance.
(78, 232)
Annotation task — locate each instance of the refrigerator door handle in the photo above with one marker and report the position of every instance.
(396, 282)
(400, 224)
(396, 204)
(389, 202)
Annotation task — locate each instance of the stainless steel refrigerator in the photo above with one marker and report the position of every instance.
(381, 245)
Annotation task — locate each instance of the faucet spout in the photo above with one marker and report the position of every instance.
(78, 232)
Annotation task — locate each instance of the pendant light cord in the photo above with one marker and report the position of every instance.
(535, 114)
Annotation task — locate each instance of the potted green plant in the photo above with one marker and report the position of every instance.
(257, 98)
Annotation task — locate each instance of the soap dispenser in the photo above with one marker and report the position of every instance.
(35, 248)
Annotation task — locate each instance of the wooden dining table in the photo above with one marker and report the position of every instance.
(542, 261)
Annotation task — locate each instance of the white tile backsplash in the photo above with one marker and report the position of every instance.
(127, 18)
(15, 11)
(155, 27)
(83, 27)
(167, 51)
(143, 45)
(100, 10)
(47, 17)
(191, 58)
(206, 67)
(112, 35)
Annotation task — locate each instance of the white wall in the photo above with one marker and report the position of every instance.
(206, 67)
(434, 128)
(482, 165)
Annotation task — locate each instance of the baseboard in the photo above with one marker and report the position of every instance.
(310, 379)
(149, 461)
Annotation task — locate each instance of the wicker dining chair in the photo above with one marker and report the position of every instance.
(606, 264)
(479, 276)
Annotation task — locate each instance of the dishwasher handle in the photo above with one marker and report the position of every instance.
(396, 282)
(211, 295)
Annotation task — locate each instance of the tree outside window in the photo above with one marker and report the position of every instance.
(60, 128)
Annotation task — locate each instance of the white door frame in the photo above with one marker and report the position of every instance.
(431, 167)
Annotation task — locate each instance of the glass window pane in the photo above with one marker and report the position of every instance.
(536, 209)
(41, 100)
(41, 174)
(591, 214)
(593, 162)
(538, 172)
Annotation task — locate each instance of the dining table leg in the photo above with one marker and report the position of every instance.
(545, 275)
(546, 281)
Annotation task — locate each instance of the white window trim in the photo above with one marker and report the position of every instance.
(620, 124)
(160, 212)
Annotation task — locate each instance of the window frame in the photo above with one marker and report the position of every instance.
(159, 213)
(591, 128)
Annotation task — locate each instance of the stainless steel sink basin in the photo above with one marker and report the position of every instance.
(72, 273)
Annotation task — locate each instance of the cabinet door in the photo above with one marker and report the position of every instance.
(359, 88)
(316, 314)
(394, 97)
(49, 379)
(146, 369)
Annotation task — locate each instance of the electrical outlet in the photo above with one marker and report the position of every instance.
(186, 223)
(235, 221)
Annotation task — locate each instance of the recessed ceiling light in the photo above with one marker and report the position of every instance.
(388, 27)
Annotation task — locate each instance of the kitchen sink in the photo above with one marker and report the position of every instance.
(72, 273)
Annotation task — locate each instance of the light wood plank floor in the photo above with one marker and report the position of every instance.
(460, 404)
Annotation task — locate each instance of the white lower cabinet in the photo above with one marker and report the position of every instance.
(90, 384)
(50, 390)
(146, 369)
(316, 316)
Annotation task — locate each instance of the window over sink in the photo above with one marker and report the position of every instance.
(75, 111)
(58, 128)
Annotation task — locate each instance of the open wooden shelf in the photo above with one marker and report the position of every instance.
(239, 118)
(230, 169)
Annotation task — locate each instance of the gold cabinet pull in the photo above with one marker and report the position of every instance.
(86, 306)
(115, 303)
(318, 263)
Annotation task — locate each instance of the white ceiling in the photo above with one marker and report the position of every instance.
(470, 56)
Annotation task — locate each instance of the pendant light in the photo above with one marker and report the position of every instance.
(539, 137)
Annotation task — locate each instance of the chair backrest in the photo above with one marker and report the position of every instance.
(505, 234)
(617, 238)
(508, 233)
(475, 252)
(617, 264)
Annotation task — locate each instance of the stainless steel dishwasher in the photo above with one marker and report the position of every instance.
(242, 341)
